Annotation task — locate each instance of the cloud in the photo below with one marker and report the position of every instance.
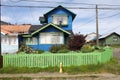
(6, 18)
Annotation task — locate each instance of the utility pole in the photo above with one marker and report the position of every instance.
(97, 32)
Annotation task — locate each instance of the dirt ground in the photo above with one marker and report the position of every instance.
(65, 76)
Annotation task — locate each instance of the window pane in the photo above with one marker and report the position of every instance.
(34, 40)
(51, 38)
(115, 38)
(60, 18)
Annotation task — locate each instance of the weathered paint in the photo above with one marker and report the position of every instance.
(6, 48)
(9, 44)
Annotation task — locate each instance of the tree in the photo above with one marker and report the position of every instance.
(76, 42)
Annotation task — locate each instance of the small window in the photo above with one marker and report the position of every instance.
(60, 19)
(115, 38)
(31, 41)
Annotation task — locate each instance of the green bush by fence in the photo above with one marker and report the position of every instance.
(46, 60)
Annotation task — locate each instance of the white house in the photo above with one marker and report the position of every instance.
(9, 37)
(90, 37)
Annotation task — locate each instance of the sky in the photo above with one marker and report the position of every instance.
(84, 22)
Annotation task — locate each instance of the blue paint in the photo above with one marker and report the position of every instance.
(45, 47)
(48, 16)
(62, 12)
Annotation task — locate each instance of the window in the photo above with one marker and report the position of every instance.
(31, 41)
(115, 38)
(60, 19)
(51, 38)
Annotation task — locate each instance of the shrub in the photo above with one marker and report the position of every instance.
(98, 48)
(39, 51)
(87, 48)
(63, 51)
(25, 48)
(56, 48)
(76, 42)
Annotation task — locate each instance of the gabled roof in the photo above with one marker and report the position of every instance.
(38, 28)
(108, 34)
(90, 37)
(35, 27)
(73, 14)
(53, 26)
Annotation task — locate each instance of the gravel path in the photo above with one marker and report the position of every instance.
(64, 76)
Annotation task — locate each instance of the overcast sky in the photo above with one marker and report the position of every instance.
(84, 22)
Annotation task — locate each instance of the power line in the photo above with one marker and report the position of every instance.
(117, 8)
(87, 22)
(113, 28)
(63, 2)
(111, 15)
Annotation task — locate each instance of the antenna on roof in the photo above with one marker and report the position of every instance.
(60, 23)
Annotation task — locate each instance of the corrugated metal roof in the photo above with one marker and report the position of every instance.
(12, 29)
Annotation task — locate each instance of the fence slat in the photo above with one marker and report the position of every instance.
(45, 60)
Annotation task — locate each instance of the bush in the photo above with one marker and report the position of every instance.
(87, 48)
(76, 42)
(56, 48)
(25, 48)
(98, 48)
(39, 51)
(63, 51)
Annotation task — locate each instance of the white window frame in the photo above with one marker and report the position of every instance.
(115, 39)
(51, 38)
(57, 18)
(31, 41)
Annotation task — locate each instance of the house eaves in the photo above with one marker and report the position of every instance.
(53, 26)
(73, 14)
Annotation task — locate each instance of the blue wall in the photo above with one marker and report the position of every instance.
(63, 12)
(46, 47)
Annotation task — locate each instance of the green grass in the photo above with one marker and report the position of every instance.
(112, 67)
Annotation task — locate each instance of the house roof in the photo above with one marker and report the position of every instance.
(73, 14)
(12, 29)
(37, 28)
(90, 37)
(47, 25)
(108, 34)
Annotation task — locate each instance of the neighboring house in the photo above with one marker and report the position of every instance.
(9, 37)
(110, 39)
(90, 37)
(56, 29)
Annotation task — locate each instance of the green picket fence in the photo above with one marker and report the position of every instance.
(46, 60)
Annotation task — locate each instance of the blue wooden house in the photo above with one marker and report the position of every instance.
(56, 28)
